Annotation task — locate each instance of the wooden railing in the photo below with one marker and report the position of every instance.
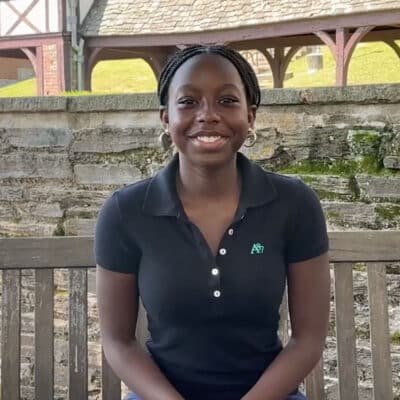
(75, 253)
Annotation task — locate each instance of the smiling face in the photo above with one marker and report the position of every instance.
(208, 114)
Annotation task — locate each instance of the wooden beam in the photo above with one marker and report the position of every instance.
(30, 40)
(247, 33)
(77, 251)
(394, 46)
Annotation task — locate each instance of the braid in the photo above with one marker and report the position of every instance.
(245, 70)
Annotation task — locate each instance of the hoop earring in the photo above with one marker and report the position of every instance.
(251, 138)
(165, 140)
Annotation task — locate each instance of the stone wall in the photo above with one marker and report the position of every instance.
(61, 157)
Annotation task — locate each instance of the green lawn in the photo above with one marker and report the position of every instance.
(371, 63)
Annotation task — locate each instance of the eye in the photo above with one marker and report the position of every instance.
(187, 101)
(228, 100)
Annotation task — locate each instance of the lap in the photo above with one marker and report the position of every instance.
(297, 396)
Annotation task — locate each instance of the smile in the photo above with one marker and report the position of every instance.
(212, 142)
(208, 139)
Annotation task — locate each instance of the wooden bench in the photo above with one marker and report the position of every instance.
(43, 255)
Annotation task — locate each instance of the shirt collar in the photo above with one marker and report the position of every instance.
(162, 199)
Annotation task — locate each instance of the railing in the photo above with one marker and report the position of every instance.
(75, 253)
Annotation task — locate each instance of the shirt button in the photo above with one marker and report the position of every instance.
(215, 271)
(222, 251)
(230, 232)
(216, 293)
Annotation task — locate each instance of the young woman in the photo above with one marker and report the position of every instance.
(208, 244)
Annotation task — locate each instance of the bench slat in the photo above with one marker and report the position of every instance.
(11, 335)
(284, 323)
(78, 356)
(315, 382)
(44, 343)
(345, 332)
(75, 252)
(379, 328)
(110, 383)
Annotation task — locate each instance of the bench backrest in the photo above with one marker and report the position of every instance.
(43, 255)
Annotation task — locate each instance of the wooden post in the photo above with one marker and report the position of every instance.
(78, 357)
(342, 49)
(345, 332)
(380, 335)
(44, 342)
(279, 63)
(11, 335)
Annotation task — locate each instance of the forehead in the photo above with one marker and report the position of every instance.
(206, 71)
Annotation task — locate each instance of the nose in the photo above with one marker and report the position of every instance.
(208, 113)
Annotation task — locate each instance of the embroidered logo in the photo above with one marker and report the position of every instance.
(257, 248)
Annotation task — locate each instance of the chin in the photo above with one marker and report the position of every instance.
(211, 160)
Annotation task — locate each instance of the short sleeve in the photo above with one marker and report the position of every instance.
(308, 236)
(113, 249)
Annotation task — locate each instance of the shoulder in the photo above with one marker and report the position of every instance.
(129, 199)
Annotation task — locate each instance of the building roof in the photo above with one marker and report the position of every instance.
(141, 17)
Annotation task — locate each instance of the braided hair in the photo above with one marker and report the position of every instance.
(245, 70)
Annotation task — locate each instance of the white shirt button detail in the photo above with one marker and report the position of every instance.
(222, 251)
(215, 271)
(230, 232)
(216, 293)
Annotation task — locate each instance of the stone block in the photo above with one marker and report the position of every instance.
(35, 165)
(363, 142)
(112, 140)
(84, 211)
(344, 215)
(26, 228)
(79, 227)
(10, 193)
(95, 174)
(388, 215)
(329, 186)
(392, 162)
(380, 188)
(129, 102)
(51, 210)
(37, 138)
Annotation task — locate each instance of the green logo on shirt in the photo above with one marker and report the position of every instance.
(257, 248)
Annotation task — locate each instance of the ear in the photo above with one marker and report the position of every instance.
(251, 115)
(164, 116)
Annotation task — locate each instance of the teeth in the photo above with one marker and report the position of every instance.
(208, 139)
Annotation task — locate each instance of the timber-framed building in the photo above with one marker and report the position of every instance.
(72, 37)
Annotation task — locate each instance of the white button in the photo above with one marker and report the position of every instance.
(230, 232)
(222, 252)
(215, 271)
(217, 293)
(242, 216)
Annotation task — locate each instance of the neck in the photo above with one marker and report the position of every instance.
(195, 182)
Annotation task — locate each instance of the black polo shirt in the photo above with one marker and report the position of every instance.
(213, 320)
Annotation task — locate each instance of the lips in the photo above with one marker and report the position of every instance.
(209, 142)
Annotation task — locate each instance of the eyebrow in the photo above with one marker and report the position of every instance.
(192, 87)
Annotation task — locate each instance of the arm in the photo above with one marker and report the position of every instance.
(309, 296)
(118, 308)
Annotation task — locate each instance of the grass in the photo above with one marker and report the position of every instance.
(370, 63)
(20, 89)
